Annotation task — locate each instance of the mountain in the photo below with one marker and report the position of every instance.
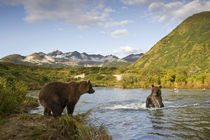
(69, 59)
(187, 46)
(55, 53)
(179, 60)
(80, 57)
(13, 58)
(123, 61)
(132, 57)
(38, 58)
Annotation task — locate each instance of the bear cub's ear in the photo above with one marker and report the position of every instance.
(88, 82)
(153, 86)
(160, 86)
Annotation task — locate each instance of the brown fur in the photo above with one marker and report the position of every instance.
(56, 96)
(155, 98)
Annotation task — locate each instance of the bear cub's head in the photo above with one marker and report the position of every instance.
(90, 89)
(156, 91)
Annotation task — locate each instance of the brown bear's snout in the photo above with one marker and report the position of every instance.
(91, 91)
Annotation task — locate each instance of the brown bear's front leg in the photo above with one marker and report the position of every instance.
(148, 102)
(70, 107)
(47, 112)
(57, 110)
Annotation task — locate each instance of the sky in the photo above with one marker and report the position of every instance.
(118, 27)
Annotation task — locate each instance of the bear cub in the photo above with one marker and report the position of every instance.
(55, 96)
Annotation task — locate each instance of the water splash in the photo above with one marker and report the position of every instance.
(181, 106)
(132, 106)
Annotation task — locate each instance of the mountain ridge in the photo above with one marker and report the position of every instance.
(70, 59)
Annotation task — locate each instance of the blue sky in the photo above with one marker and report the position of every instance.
(118, 27)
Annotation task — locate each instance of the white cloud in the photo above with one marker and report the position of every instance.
(108, 10)
(119, 33)
(60, 29)
(102, 32)
(191, 8)
(176, 11)
(77, 12)
(126, 50)
(115, 23)
(134, 2)
(171, 11)
(124, 8)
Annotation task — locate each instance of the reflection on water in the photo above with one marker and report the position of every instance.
(186, 114)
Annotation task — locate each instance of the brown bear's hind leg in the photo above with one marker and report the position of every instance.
(47, 112)
(70, 107)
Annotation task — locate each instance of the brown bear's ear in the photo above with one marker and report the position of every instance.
(88, 82)
(152, 85)
(160, 86)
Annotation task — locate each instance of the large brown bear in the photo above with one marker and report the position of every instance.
(155, 99)
(56, 96)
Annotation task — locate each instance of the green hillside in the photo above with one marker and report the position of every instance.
(115, 63)
(187, 45)
(14, 58)
(182, 55)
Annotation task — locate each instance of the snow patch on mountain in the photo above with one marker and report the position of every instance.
(33, 59)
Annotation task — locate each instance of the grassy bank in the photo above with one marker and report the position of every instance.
(27, 126)
(19, 125)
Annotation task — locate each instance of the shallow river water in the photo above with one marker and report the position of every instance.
(186, 114)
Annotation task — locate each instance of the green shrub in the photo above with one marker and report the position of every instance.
(12, 93)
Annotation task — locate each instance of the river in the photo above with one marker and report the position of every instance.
(186, 114)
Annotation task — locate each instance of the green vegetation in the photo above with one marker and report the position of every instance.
(35, 77)
(115, 63)
(181, 59)
(166, 78)
(12, 94)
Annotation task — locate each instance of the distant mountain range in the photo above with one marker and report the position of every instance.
(70, 59)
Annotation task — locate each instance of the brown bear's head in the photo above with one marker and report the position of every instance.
(86, 87)
(90, 89)
(156, 91)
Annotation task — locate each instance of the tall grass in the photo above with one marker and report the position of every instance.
(12, 94)
(73, 128)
